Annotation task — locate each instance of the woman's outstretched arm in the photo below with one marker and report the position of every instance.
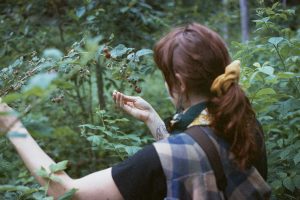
(98, 185)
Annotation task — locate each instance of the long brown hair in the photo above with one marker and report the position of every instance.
(199, 55)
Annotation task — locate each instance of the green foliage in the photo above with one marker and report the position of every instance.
(109, 136)
(62, 88)
(50, 176)
(50, 89)
(271, 78)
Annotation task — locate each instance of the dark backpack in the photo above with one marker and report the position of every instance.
(253, 187)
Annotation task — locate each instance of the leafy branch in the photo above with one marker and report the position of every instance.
(50, 176)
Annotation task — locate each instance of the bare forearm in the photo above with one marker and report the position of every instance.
(157, 127)
(35, 158)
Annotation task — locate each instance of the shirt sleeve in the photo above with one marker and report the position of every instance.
(141, 176)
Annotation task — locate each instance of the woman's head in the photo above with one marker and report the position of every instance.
(195, 53)
(194, 56)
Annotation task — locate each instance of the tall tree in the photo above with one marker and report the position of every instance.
(225, 25)
(244, 20)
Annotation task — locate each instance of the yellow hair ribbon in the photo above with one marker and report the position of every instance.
(222, 83)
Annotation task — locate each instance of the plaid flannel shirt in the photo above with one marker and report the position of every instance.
(189, 174)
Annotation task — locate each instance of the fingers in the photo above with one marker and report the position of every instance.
(121, 99)
(118, 98)
(129, 98)
(128, 109)
(114, 95)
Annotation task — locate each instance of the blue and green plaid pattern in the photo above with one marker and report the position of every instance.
(190, 176)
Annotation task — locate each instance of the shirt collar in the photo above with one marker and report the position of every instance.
(195, 115)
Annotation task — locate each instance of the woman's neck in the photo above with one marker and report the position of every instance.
(193, 100)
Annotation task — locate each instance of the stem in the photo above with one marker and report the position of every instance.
(91, 99)
(102, 121)
(47, 185)
(120, 155)
(79, 99)
(100, 85)
(21, 80)
(281, 59)
(284, 66)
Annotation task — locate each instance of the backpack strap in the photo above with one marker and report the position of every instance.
(199, 135)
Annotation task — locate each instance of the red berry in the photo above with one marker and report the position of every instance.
(105, 50)
(138, 89)
(107, 55)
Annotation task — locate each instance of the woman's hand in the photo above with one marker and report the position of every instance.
(142, 110)
(135, 106)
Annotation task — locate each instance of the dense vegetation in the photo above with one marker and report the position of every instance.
(61, 60)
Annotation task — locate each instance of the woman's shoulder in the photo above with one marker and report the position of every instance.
(181, 150)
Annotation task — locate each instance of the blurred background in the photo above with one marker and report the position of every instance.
(60, 60)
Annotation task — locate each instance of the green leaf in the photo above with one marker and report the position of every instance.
(282, 175)
(276, 184)
(118, 51)
(80, 11)
(42, 173)
(263, 20)
(284, 154)
(54, 53)
(111, 37)
(95, 140)
(143, 52)
(296, 181)
(286, 75)
(253, 77)
(265, 91)
(266, 70)
(11, 188)
(48, 198)
(12, 97)
(41, 81)
(124, 9)
(133, 137)
(60, 166)
(297, 158)
(266, 19)
(17, 63)
(132, 57)
(274, 5)
(275, 40)
(55, 178)
(109, 133)
(63, 84)
(288, 183)
(130, 150)
(257, 65)
(68, 195)
(91, 126)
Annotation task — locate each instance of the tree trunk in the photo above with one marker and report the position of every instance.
(284, 3)
(225, 23)
(100, 85)
(244, 20)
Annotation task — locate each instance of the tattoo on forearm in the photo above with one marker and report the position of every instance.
(161, 132)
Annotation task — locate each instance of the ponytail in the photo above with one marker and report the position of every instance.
(233, 119)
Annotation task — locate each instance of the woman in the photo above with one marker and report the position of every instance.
(203, 86)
